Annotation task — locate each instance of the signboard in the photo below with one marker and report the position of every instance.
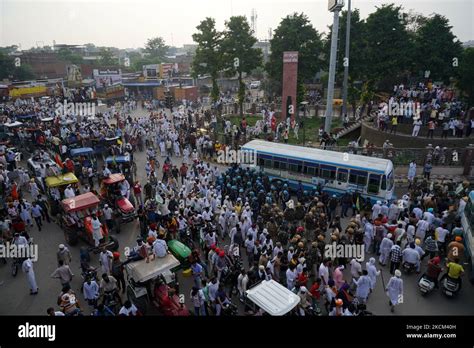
(290, 57)
(107, 78)
(112, 92)
(335, 4)
(22, 92)
(165, 69)
(151, 71)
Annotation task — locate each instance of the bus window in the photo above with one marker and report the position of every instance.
(384, 183)
(295, 166)
(280, 163)
(328, 172)
(374, 183)
(261, 162)
(342, 176)
(268, 163)
(358, 177)
(311, 169)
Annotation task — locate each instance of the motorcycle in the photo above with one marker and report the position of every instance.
(110, 300)
(15, 266)
(409, 267)
(426, 285)
(450, 286)
(187, 239)
(229, 310)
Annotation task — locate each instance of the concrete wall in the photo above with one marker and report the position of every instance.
(407, 141)
(436, 171)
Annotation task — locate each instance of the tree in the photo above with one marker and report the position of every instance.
(238, 53)
(435, 48)
(466, 74)
(389, 47)
(156, 49)
(358, 44)
(208, 56)
(295, 33)
(8, 70)
(106, 57)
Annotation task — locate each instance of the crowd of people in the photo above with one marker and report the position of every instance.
(428, 107)
(242, 227)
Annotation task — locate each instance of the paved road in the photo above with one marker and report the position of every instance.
(15, 298)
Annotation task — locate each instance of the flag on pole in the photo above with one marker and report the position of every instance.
(58, 161)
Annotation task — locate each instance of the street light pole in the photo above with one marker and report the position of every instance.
(332, 65)
(346, 60)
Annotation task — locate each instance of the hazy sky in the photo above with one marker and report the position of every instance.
(129, 23)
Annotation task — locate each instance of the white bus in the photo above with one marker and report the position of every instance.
(337, 172)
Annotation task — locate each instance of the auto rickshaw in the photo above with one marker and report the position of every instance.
(122, 164)
(76, 221)
(181, 252)
(83, 157)
(110, 192)
(142, 276)
(55, 186)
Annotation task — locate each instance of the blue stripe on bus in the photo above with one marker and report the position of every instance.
(358, 172)
(324, 166)
(317, 162)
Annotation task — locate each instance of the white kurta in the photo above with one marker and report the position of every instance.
(373, 273)
(385, 247)
(363, 287)
(96, 232)
(411, 171)
(395, 290)
(105, 262)
(27, 267)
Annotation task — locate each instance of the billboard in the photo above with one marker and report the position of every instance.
(166, 69)
(107, 78)
(151, 71)
(28, 91)
(333, 4)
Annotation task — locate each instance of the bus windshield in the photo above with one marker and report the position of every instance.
(390, 181)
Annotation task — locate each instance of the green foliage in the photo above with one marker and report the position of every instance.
(295, 33)
(435, 48)
(466, 74)
(8, 70)
(389, 48)
(156, 49)
(106, 57)
(208, 56)
(238, 54)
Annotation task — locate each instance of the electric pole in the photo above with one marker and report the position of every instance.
(335, 6)
(346, 60)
